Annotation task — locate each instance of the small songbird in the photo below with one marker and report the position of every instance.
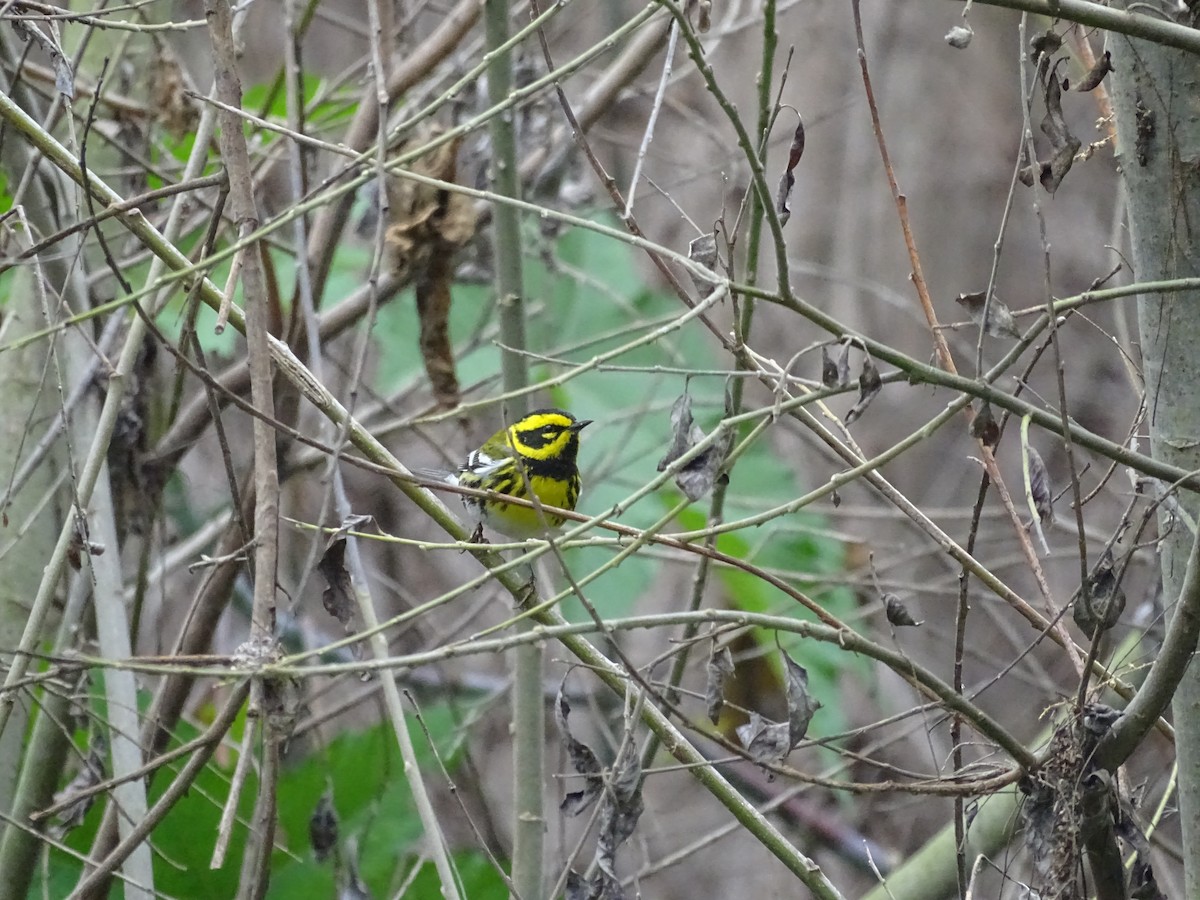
(536, 453)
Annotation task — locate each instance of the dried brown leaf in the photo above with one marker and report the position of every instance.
(1054, 171)
(352, 522)
(1096, 73)
(766, 742)
(703, 250)
(583, 760)
(338, 598)
(619, 814)
(1000, 321)
(783, 193)
(801, 705)
(843, 366)
(984, 427)
(1099, 606)
(1063, 144)
(685, 434)
(577, 887)
(829, 369)
(1039, 487)
(796, 150)
(169, 101)
(1043, 43)
(869, 385)
(697, 477)
(427, 224)
(719, 668)
(88, 776)
(433, 313)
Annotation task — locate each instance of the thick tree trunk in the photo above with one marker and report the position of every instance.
(1156, 96)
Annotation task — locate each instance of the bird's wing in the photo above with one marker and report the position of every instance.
(480, 464)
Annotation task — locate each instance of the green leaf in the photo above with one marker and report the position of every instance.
(372, 799)
(371, 795)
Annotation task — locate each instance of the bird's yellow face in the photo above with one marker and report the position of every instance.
(546, 435)
(535, 456)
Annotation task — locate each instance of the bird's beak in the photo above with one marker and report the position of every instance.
(579, 426)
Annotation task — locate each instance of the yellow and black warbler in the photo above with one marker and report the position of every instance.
(536, 453)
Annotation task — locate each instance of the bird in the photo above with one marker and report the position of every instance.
(537, 452)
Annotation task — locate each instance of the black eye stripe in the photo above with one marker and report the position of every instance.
(536, 438)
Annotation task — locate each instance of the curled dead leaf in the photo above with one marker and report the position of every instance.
(1063, 144)
(801, 704)
(338, 598)
(783, 193)
(583, 759)
(1044, 43)
(984, 427)
(870, 383)
(999, 320)
(765, 741)
(703, 250)
(1039, 487)
(90, 774)
(427, 224)
(829, 369)
(1098, 608)
(1096, 73)
(697, 477)
(719, 668)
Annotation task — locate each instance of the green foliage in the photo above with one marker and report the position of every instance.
(372, 799)
(269, 101)
(480, 880)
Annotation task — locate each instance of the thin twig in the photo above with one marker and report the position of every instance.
(648, 134)
(943, 350)
(235, 155)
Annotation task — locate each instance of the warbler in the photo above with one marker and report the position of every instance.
(538, 453)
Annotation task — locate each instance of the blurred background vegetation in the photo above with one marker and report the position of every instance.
(144, 681)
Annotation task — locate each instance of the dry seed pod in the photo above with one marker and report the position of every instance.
(897, 613)
(323, 827)
(959, 36)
